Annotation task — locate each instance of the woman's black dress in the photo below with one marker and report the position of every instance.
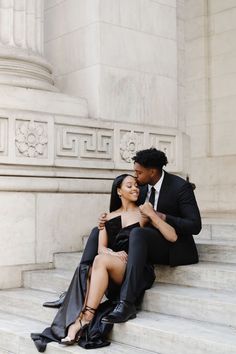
(96, 334)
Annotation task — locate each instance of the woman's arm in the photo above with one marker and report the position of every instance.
(165, 229)
(103, 242)
(103, 249)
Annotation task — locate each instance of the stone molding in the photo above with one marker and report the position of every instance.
(56, 185)
(42, 140)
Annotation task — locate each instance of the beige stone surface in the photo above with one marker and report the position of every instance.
(21, 99)
(71, 15)
(223, 43)
(196, 48)
(220, 6)
(83, 83)
(63, 219)
(135, 97)
(116, 36)
(75, 50)
(148, 53)
(195, 28)
(110, 11)
(196, 90)
(210, 80)
(17, 228)
(223, 64)
(194, 8)
(158, 19)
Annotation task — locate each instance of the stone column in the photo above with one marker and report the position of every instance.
(21, 45)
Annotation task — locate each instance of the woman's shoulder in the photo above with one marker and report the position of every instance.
(113, 214)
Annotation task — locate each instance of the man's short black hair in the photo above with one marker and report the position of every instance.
(151, 158)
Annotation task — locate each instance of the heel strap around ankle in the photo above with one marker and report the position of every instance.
(89, 309)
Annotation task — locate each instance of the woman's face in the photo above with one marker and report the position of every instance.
(129, 189)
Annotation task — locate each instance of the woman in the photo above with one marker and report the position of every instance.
(79, 319)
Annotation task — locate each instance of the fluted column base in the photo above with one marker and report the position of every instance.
(18, 68)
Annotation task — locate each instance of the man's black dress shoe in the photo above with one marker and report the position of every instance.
(123, 312)
(57, 303)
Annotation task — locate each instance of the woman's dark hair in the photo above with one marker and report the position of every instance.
(151, 158)
(115, 201)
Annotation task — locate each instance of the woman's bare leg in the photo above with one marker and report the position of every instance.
(104, 266)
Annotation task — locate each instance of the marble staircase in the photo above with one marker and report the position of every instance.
(190, 309)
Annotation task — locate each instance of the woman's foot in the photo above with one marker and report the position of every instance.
(73, 334)
(76, 329)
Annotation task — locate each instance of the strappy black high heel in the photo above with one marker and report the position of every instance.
(67, 340)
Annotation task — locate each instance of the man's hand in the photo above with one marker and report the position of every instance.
(101, 221)
(146, 210)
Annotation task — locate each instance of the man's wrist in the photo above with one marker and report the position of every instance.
(152, 214)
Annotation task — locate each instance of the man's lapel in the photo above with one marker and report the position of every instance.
(163, 193)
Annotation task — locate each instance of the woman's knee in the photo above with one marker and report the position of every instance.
(100, 261)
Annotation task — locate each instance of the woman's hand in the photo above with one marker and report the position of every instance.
(146, 210)
(101, 221)
(122, 255)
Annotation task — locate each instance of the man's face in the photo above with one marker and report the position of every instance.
(143, 174)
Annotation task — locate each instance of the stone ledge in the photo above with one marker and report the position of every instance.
(55, 185)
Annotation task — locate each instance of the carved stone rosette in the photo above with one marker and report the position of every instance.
(128, 146)
(31, 139)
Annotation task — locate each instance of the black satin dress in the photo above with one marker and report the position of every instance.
(96, 334)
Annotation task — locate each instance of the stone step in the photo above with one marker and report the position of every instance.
(218, 229)
(217, 251)
(209, 251)
(214, 306)
(28, 303)
(209, 305)
(175, 335)
(68, 261)
(204, 274)
(15, 339)
(148, 332)
(55, 281)
(212, 229)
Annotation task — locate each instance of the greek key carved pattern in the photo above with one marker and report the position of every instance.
(164, 143)
(80, 142)
(3, 136)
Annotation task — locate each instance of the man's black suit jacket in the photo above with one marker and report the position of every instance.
(177, 201)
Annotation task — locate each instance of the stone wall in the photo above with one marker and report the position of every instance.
(37, 223)
(121, 55)
(210, 30)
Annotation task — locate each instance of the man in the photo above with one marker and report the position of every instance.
(162, 195)
(173, 200)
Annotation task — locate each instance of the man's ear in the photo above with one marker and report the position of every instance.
(152, 172)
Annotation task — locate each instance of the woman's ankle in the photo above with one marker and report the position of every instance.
(87, 316)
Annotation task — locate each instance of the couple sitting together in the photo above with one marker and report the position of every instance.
(151, 221)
